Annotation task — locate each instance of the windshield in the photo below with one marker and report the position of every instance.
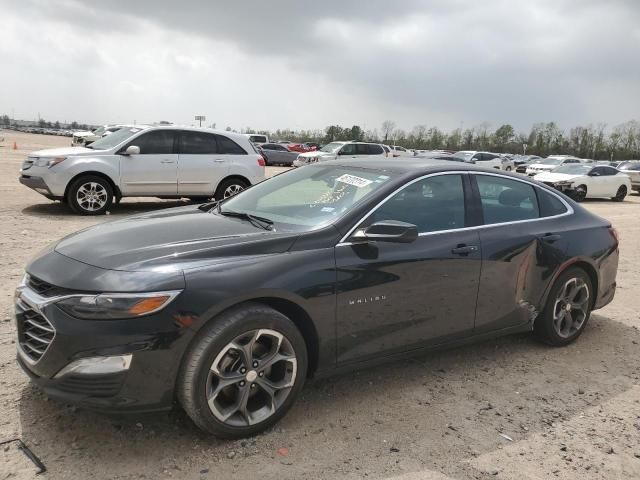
(573, 169)
(464, 155)
(331, 147)
(308, 198)
(551, 161)
(116, 138)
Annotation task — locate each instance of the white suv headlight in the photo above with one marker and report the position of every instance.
(49, 161)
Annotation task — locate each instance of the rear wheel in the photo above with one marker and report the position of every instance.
(229, 188)
(567, 310)
(620, 194)
(90, 195)
(244, 372)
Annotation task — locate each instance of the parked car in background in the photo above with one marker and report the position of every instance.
(87, 139)
(521, 162)
(144, 161)
(398, 151)
(485, 159)
(229, 308)
(257, 138)
(550, 163)
(581, 181)
(77, 138)
(632, 169)
(278, 154)
(342, 150)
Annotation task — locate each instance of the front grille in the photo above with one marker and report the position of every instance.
(46, 289)
(35, 333)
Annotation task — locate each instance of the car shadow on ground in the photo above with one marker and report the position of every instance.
(449, 404)
(129, 207)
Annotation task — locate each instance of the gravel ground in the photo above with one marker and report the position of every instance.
(506, 408)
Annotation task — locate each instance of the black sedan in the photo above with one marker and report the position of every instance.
(229, 307)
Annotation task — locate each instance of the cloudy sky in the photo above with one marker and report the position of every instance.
(307, 64)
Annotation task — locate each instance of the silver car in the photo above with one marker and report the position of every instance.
(278, 153)
(144, 161)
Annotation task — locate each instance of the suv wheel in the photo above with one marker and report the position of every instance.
(90, 195)
(228, 188)
(243, 372)
(567, 310)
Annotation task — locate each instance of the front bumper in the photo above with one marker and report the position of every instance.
(38, 184)
(155, 344)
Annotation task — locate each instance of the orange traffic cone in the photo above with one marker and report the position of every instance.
(15, 146)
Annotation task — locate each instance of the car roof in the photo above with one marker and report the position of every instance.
(416, 165)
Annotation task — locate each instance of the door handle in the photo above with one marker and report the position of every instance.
(167, 161)
(219, 160)
(464, 249)
(550, 237)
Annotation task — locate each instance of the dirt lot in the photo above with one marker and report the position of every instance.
(509, 408)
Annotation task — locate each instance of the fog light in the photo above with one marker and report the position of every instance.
(43, 191)
(97, 365)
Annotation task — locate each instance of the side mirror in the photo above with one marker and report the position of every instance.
(132, 150)
(388, 231)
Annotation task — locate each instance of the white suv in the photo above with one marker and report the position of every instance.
(485, 159)
(334, 150)
(143, 161)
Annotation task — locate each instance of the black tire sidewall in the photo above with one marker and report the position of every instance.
(543, 325)
(71, 195)
(208, 343)
(619, 198)
(219, 195)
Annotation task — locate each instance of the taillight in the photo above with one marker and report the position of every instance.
(614, 234)
(261, 161)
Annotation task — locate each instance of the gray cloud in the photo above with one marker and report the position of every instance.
(307, 64)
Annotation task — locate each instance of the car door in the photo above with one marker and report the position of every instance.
(597, 183)
(610, 180)
(522, 247)
(394, 297)
(200, 166)
(348, 151)
(154, 171)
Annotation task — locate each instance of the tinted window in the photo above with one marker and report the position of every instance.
(433, 204)
(375, 149)
(506, 200)
(258, 138)
(197, 143)
(550, 205)
(608, 171)
(226, 146)
(361, 149)
(386, 149)
(268, 146)
(156, 142)
(348, 149)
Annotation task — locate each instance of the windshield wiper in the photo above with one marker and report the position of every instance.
(261, 222)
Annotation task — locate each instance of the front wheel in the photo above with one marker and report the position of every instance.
(90, 195)
(620, 194)
(243, 372)
(580, 193)
(567, 310)
(229, 188)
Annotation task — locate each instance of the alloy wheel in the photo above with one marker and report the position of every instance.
(91, 196)
(232, 189)
(571, 307)
(251, 377)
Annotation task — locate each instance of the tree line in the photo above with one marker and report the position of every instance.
(622, 142)
(42, 123)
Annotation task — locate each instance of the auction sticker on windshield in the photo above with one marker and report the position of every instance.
(353, 180)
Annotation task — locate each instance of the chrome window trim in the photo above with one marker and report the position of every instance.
(569, 208)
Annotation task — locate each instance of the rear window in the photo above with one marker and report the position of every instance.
(258, 138)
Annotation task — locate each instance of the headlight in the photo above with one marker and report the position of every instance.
(49, 162)
(113, 306)
(564, 183)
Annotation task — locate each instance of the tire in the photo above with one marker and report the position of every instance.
(229, 188)
(198, 380)
(553, 326)
(508, 168)
(580, 193)
(620, 194)
(90, 195)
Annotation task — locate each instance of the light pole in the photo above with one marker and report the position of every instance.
(200, 118)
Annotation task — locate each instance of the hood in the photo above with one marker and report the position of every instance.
(316, 153)
(64, 151)
(171, 239)
(555, 177)
(82, 134)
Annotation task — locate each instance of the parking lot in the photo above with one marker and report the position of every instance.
(506, 408)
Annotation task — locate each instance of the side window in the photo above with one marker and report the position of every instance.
(597, 172)
(226, 146)
(506, 200)
(197, 143)
(375, 149)
(478, 157)
(433, 204)
(385, 148)
(156, 142)
(550, 205)
(361, 149)
(608, 171)
(348, 149)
